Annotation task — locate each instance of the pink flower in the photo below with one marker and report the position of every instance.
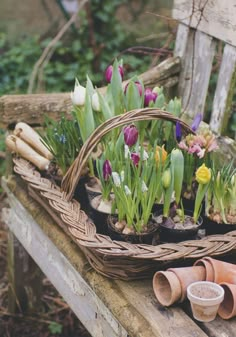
(196, 148)
(149, 96)
(138, 85)
(109, 71)
(130, 135)
(135, 158)
(183, 146)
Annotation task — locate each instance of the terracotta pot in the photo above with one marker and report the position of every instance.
(208, 268)
(188, 275)
(167, 287)
(223, 271)
(227, 308)
(171, 285)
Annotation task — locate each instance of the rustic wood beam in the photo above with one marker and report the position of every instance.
(32, 108)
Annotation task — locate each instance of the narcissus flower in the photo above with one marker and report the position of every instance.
(203, 174)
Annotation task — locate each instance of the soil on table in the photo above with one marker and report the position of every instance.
(56, 320)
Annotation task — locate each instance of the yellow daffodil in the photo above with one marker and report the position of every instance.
(203, 174)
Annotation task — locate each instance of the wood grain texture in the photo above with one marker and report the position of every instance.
(32, 108)
(196, 69)
(216, 18)
(226, 82)
(106, 307)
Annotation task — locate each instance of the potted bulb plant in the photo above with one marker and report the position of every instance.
(176, 223)
(221, 200)
(134, 187)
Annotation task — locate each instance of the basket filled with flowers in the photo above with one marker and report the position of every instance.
(128, 145)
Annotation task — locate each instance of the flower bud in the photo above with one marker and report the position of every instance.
(166, 178)
(163, 154)
(196, 122)
(149, 96)
(78, 95)
(130, 135)
(203, 174)
(95, 102)
(127, 190)
(107, 170)
(135, 158)
(116, 179)
(178, 132)
(109, 71)
(138, 85)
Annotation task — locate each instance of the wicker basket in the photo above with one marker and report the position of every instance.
(114, 259)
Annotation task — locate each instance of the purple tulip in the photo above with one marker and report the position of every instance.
(178, 132)
(138, 85)
(196, 122)
(135, 158)
(107, 170)
(109, 71)
(130, 135)
(149, 96)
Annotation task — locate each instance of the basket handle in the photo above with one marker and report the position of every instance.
(73, 174)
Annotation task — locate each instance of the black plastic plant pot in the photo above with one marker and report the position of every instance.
(171, 234)
(213, 227)
(135, 238)
(98, 217)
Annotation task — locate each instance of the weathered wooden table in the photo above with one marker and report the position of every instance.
(106, 307)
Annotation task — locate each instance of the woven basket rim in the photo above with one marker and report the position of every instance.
(100, 250)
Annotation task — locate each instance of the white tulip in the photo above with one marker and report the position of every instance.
(78, 95)
(96, 102)
(116, 179)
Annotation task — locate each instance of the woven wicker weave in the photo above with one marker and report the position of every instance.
(112, 258)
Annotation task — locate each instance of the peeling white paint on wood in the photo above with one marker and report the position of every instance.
(224, 85)
(181, 40)
(216, 18)
(196, 71)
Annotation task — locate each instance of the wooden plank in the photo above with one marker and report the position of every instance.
(196, 71)
(87, 292)
(224, 91)
(82, 300)
(32, 108)
(216, 18)
(25, 278)
(181, 42)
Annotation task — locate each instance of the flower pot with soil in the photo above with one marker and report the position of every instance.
(176, 224)
(221, 201)
(205, 298)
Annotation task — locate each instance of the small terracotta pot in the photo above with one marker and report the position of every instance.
(208, 268)
(167, 287)
(188, 275)
(223, 271)
(227, 308)
(171, 286)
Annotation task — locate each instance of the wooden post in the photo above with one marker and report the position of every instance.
(25, 279)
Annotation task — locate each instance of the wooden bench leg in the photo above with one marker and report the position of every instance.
(25, 279)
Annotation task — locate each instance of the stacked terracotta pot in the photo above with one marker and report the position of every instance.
(171, 286)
